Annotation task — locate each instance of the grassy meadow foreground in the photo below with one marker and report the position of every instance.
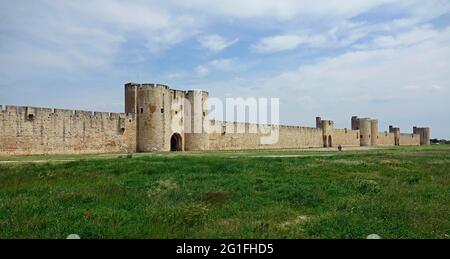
(395, 193)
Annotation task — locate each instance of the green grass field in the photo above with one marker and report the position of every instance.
(395, 193)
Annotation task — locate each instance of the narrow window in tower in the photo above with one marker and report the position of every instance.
(142, 110)
(204, 114)
(162, 110)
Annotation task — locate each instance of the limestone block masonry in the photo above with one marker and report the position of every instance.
(158, 118)
(32, 131)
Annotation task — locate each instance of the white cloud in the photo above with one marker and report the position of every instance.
(333, 38)
(214, 65)
(202, 70)
(91, 34)
(337, 35)
(378, 71)
(415, 36)
(281, 10)
(278, 43)
(69, 35)
(322, 27)
(424, 88)
(158, 25)
(216, 43)
(375, 82)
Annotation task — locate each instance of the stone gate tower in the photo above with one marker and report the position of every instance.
(368, 129)
(168, 119)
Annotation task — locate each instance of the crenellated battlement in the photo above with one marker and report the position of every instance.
(146, 85)
(39, 111)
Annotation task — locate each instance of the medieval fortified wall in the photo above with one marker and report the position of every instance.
(158, 118)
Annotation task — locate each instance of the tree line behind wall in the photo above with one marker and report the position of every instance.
(439, 141)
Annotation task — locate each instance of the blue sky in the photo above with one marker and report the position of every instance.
(377, 58)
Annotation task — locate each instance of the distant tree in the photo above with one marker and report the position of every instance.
(439, 141)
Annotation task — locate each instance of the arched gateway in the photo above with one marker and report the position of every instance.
(176, 142)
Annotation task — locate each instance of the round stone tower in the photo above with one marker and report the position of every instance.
(152, 105)
(355, 123)
(374, 132)
(424, 134)
(196, 120)
(396, 132)
(327, 133)
(425, 137)
(365, 128)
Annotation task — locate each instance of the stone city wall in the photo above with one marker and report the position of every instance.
(386, 139)
(32, 131)
(239, 136)
(345, 137)
(409, 139)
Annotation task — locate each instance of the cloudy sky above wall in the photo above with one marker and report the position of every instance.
(375, 58)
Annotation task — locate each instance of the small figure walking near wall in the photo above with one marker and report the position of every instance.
(340, 148)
